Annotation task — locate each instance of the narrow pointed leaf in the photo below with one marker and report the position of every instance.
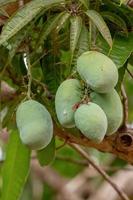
(85, 3)
(49, 27)
(75, 29)
(24, 16)
(121, 49)
(114, 18)
(62, 21)
(4, 2)
(15, 168)
(83, 43)
(98, 20)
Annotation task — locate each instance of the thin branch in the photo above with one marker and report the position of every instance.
(74, 161)
(101, 171)
(28, 67)
(62, 145)
(125, 106)
(130, 73)
(85, 163)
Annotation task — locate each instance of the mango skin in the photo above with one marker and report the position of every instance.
(112, 106)
(35, 124)
(91, 120)
(68, 94)
(98, 71)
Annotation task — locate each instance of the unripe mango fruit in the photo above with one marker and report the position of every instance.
(98, 71)
(112, 106)
(67, 96)
(35, 124)
(91, 120)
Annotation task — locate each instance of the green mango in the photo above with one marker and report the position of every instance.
(91, 120)
(67, 97)
(112, 106)
(35, 124)
(98, 71)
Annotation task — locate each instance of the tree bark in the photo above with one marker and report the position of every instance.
(119, 144)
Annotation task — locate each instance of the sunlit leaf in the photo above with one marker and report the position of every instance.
(100, 24)
(123, 1)
(62, 20)
(24, 16)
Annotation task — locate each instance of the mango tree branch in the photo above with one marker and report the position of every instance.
(120, 143)
(101, 171)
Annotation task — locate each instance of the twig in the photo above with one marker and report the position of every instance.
(105, 191)
(85, 163)
(130, 73)
(101, 171)
(125, 106)
(28, 67)
(62, 145)
(74, 161)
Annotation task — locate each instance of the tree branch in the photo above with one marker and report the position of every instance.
(125, 106)
(121, 178)
(101, 171)
(130, 73)
(120, 143)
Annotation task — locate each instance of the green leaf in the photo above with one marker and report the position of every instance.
(121, 72)
(83, 43)
(4, 2)
(85, 3)
(100, 24)
(24, 16)
(48, 28)
(47, 155)
(62, 20)
(121, 49)
(75, 29)
(116, 19)
(15, 168)
(123, 1)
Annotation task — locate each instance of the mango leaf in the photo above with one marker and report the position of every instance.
(124, 11)
(116, 19)
(24, 16)
(15, 169)
(85, 3)
(62, 21)
(48, 28)
(121, 49)
(121, 72)
(4, 2)
(98, 20)
(47, 155)
(75, 29)
(83, 43)
(123, 1)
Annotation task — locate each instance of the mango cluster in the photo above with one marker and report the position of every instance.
(102, 114)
